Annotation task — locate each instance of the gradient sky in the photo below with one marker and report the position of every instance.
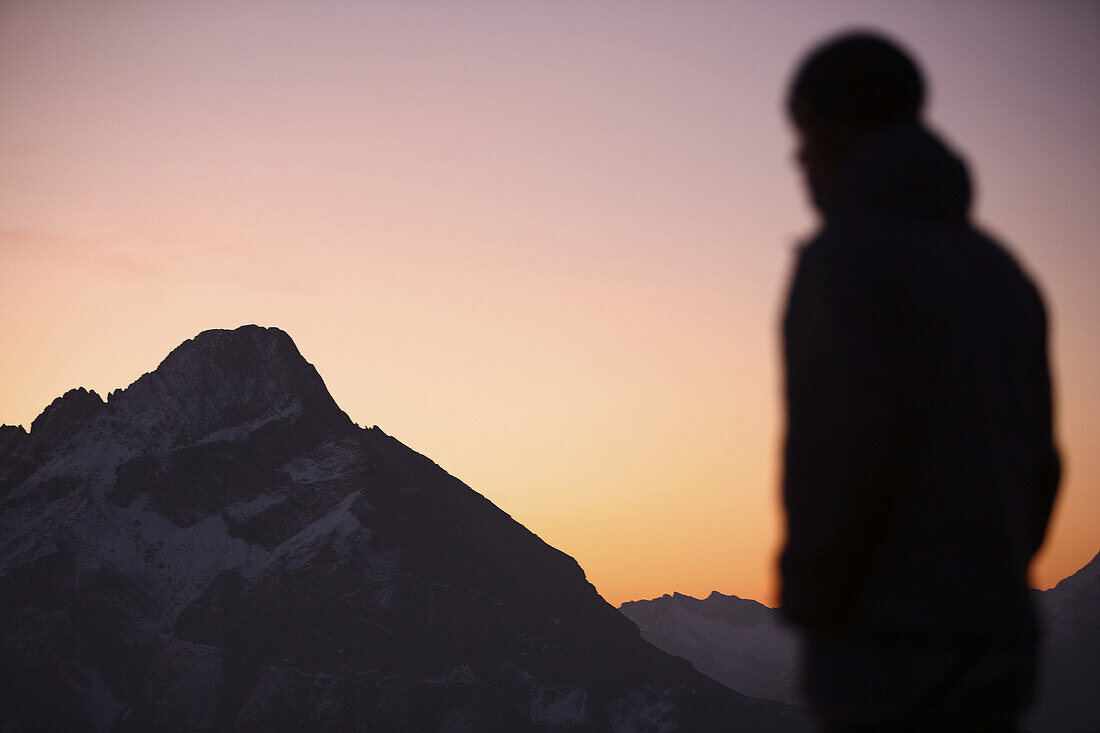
(544, 243)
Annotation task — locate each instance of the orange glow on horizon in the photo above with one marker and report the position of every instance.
(546, 246)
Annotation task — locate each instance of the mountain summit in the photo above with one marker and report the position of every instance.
(219, 381)
(218, 547)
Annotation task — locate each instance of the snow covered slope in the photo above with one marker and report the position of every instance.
(218, 547)
(738, 642)
(1068, 698)
(743, 645)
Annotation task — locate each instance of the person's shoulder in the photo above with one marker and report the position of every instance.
(845, 271)
(855, 242)
(851, 250)
(1001, 261)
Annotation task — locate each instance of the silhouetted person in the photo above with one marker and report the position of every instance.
(919, 464)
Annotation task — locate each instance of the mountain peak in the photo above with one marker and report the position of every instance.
(225, 378)
(67, 414)
(219, 380)
(257, 362)
(236, 348)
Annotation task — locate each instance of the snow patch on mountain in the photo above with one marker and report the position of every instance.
(328, 462)
(173, 564)
(238, 432)
(639, 711)
(244, 511)
(558, 706)
(338, 529)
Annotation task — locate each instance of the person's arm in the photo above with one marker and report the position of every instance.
(1049, 468)
(841, 410)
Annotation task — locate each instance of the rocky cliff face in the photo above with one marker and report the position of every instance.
(218, 547)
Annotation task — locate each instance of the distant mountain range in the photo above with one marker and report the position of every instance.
(745, 646)
(1068, 696)
(218, 547)
(741, 643)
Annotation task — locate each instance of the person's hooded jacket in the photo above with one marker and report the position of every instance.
(920, 468)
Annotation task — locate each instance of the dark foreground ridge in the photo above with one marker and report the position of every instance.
(218, 547)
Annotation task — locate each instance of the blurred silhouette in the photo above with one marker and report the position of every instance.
(920, 469)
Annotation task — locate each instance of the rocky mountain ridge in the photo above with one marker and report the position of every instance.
(219, 547)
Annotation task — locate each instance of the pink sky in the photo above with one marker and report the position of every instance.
(546, 244)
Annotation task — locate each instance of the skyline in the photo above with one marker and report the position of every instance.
(545, 246)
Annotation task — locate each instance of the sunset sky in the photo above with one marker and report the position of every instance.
(546, 244)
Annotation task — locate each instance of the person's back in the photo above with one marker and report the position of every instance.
(919, 466)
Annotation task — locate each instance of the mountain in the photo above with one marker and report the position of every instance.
(218, 547)
(1069, 659)
(744, 645)
(738, 642)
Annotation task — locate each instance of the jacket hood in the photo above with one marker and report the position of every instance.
(903, 169)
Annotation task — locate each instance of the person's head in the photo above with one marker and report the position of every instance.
(845, 88)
